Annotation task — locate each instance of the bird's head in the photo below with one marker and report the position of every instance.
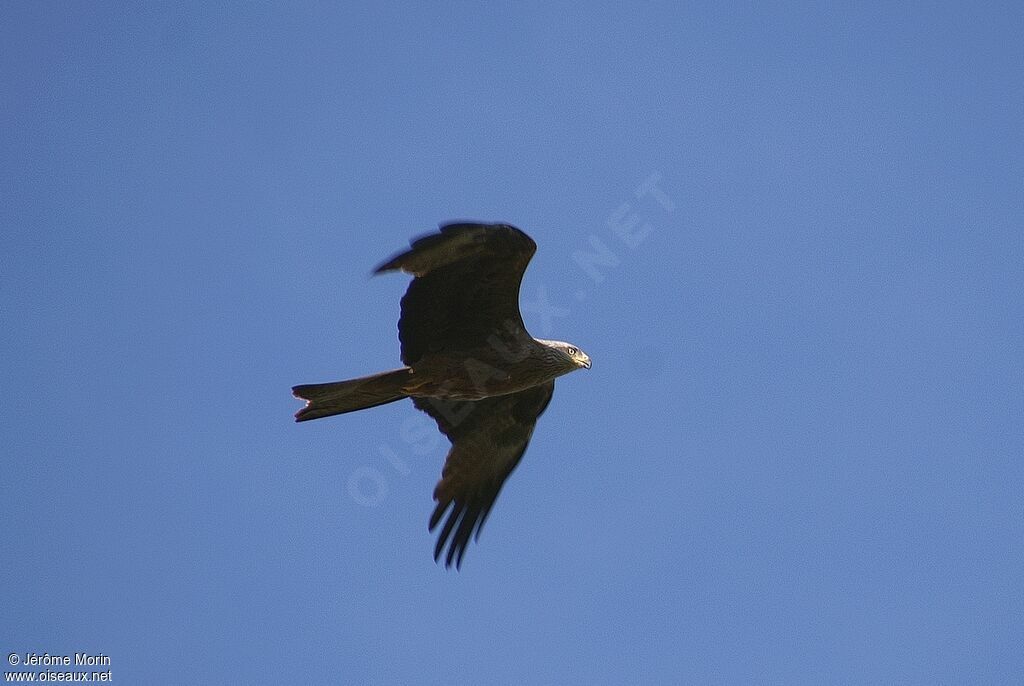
(573, 357)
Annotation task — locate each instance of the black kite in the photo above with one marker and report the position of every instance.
(470, 364)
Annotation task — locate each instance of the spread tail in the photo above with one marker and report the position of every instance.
(339, 397)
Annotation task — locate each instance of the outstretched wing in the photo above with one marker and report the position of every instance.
(488, 439)
(466, 287)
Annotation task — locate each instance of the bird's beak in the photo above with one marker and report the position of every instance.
(586, 363)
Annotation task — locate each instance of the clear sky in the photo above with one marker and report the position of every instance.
(789, 236)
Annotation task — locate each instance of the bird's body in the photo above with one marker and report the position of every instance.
(487, 372)
(470, 364)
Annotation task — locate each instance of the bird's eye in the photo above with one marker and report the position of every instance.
(572, 350)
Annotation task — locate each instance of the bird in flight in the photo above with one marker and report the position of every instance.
(469, 363)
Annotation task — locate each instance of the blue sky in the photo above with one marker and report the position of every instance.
(797, 458)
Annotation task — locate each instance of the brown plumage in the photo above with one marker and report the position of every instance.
(470, 364)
